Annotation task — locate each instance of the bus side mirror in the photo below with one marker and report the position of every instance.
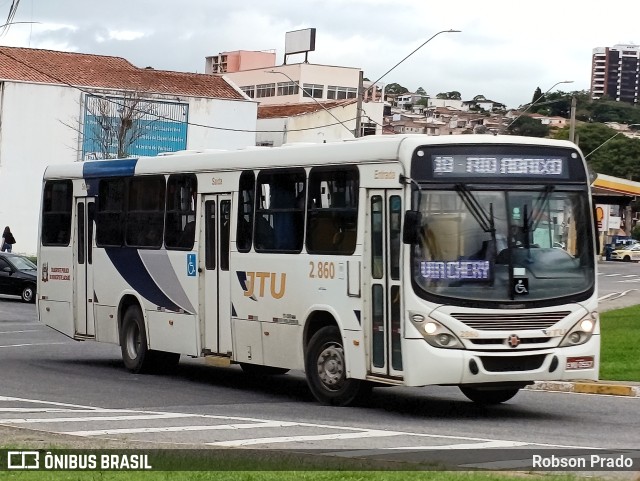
(411, 227)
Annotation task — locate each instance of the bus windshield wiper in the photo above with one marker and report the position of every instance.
(538, 208)
(482, 218)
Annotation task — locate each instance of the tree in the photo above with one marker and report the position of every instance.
(113, 124)
(394, 88)
(453, 95)
(607, 151)
(536, 95)
(421, 91)
(528, 127)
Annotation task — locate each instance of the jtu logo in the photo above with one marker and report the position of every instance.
(255, 283)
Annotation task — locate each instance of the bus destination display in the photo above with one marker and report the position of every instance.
(498, 166)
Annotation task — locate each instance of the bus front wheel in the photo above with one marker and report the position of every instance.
(488, 396)
(326, 370)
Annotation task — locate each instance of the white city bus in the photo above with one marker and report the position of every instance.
(397, 260)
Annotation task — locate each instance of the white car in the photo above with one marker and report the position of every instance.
(631, 253)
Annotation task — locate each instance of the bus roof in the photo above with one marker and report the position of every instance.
(366, 149)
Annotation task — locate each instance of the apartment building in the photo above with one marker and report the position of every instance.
(318, 88)
(615, 72)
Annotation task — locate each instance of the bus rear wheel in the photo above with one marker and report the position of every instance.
(326, 370)
(488, 396)
(137, 356)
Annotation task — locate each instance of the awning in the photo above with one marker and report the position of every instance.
(607, 189)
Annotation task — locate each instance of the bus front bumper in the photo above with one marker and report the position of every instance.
(426, 365)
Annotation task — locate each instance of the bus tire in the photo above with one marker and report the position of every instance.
(133, 342)
(326, 370)
(256, 370)
(488, 397)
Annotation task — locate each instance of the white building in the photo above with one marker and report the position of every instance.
(321, 88)
(317, 123)
(46, 118)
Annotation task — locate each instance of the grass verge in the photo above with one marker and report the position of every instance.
(620, 337)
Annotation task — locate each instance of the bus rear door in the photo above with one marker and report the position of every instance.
(383, 292)
(83, 267)
(216, 288)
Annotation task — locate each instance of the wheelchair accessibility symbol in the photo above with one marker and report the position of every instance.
(520, 287)
(191, 265)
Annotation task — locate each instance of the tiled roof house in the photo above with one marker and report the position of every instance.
(46, 117)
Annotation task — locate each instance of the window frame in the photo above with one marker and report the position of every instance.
(270, 235)
(185, 237)
(64, 216)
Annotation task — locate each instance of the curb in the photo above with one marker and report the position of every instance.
(589, 387)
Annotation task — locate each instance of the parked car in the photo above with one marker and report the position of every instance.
(629, 253)
(18, 276)
(625, 243)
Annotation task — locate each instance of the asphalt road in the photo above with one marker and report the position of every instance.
(51, 383)
(618, 284)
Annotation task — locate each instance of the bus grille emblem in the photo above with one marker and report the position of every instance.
(513, 341)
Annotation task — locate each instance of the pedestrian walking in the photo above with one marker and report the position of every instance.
(7, 240)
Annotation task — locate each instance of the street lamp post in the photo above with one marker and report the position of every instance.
(362, 92)
(538, 100)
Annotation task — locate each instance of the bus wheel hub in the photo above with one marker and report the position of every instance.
(331, 366)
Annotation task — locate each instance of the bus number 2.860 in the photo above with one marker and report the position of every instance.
(322, 270)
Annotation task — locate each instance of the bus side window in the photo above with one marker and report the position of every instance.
(56, 213)
(109, 219)
(246, 193)
(145, 212)
(332, 215)
(279, 212)
(180, 219)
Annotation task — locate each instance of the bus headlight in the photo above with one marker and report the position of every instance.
(581, 332)
(436, 334)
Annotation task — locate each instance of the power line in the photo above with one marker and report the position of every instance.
(157, 116)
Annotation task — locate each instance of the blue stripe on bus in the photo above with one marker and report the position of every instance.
(109, 168)
(129, 265)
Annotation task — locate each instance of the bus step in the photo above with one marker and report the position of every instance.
(218, 361)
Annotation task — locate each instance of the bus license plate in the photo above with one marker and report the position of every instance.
(584, 362)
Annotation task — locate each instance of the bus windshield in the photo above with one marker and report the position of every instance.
(514, 245)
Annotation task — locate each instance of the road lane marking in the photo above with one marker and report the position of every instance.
(249, 423)
(371, 433)
(34, 344)
(617, 295)
(26, 330)
(136, 417)
(409, 449)
(173, 429)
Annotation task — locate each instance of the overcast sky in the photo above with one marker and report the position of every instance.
(506, 48)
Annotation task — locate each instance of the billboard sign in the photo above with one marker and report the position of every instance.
(150, 127)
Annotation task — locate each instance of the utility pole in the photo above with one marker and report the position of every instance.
(572, 122)
(359, 106)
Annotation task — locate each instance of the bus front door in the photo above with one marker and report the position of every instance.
(216, 291)
(383, 258)
(83, 267)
